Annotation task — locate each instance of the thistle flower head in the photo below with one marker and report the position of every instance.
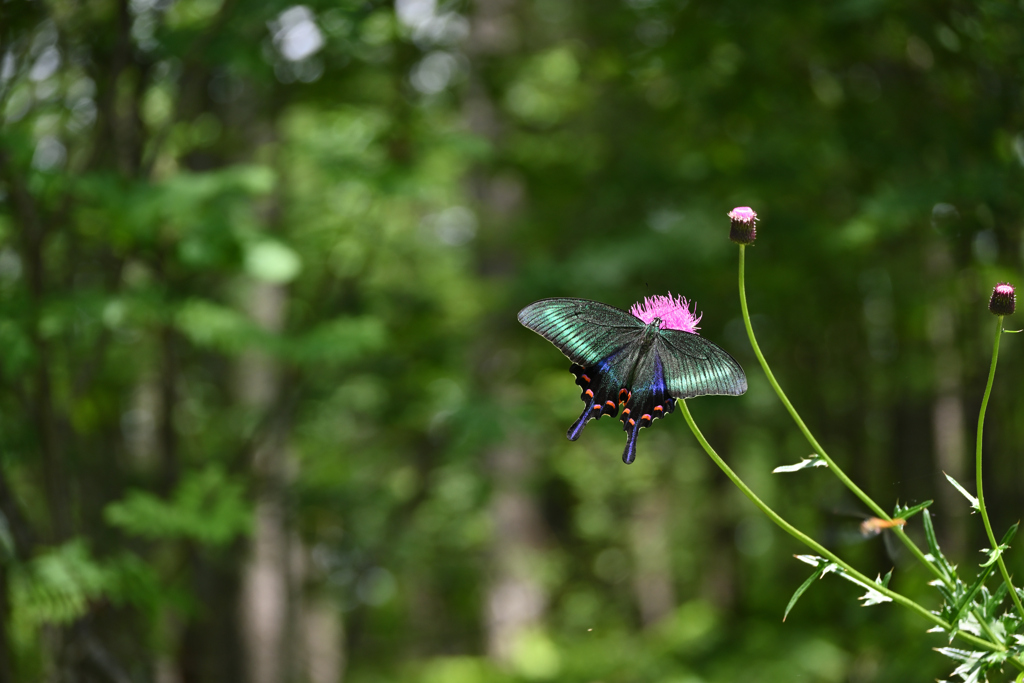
(744, 225)
(1004, 299)
(673, 312)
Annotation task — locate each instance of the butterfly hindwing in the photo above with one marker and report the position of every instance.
(600, 397)
(604, 384)
(694, 366)
(587, 332)
(648, 400)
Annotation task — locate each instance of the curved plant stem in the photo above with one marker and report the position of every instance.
(977, 460)
(821, 550)
(865, 498)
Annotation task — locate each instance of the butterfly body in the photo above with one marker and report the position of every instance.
(622, 362)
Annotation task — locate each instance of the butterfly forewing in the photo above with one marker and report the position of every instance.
(585, 331)
(696, 367)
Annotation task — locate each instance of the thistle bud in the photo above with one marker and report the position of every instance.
(1004, 299)
(744, 230)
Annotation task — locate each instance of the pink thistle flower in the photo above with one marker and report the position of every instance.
(1004, 299)
(673, 312)
(744, 225)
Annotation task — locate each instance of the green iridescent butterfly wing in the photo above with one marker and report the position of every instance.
(601, 341)
(585, 331)
(618, 360)
(696, 367)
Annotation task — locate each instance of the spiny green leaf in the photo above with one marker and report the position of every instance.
(971, 499)
(975, 664)
(814, 460)
(993, 554)
(873, 596)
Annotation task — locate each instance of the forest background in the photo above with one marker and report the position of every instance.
(266, 413)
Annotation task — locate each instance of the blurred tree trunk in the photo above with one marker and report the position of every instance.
(6, 670)
(652, 577)
(322, 637)
(516, 598)
(317, 634)
(265, 607)
(948, 405)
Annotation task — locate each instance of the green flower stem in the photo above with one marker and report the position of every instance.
(821, 550)
(879, 512)
(977, 460)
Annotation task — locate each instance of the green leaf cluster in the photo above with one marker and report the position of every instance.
(207, 507)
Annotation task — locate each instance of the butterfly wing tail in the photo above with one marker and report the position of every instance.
(632, 427)
(598, 397)
(591, 410)
(589, 413)
(637, 415)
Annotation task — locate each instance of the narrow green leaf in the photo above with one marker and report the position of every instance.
(803, 588)
(886, 578)
(908, 512)
(1010, 533)
(973, 501)
(933, 545)
(929, 532)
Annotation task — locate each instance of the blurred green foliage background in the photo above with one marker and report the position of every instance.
(266, 413)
